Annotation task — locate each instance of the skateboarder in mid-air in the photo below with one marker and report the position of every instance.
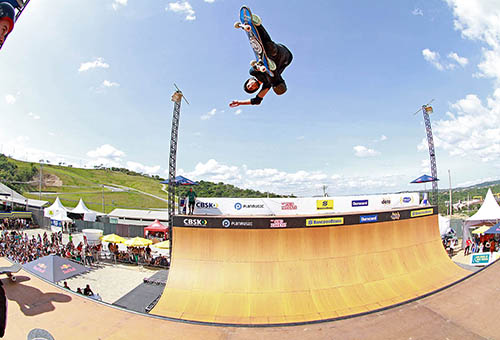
(279, 57)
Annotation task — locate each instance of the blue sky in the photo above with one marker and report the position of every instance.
(90, 82)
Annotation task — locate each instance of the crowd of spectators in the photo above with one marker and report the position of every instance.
(16, 223)
(137, 255)
(19, 247)
(480, 244)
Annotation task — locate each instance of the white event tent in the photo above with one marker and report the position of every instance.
(488, 214)
(81, 209)
(56, 211)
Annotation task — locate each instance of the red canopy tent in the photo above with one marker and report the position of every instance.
(156, 227)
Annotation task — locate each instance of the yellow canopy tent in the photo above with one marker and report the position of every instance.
(112, 238)
(162, 245)
(138, 242)
(481, 229)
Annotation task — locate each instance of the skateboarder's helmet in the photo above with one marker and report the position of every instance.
(7, 13)
(246, 88)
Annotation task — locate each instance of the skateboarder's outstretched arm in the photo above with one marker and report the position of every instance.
(254, 101)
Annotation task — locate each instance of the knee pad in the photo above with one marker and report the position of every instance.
(280, 89)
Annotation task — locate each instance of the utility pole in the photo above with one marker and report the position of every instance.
(325, 194)
(451, 201)
(40, 184)
(102, 195)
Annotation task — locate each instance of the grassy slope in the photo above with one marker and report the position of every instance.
(86, 184)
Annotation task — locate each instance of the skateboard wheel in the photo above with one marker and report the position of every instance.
(253, 63)
(261, 68)
(257, 21)
(13, 278)
(237, 24)
(272, 64)
(247, 28)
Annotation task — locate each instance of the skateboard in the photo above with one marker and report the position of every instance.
(21, 5)
(11, 270)
(246, 23)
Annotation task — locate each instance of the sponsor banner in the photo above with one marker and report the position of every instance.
(422, 212)
(480, 259)
(359, 203)
(195, 222)
(302, 206)
(368, 218)
(56, 223)
(317, 222)
(324, 204)
(395, 216)
(67, 268)
(248, 206)
(207, 206)
(226, 223)
(288, 206)
(277, 223)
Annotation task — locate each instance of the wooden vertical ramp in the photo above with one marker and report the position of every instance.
(289, 275)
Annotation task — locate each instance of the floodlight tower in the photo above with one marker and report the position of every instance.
(176, 98)
(426, 110)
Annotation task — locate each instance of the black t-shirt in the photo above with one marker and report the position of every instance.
(282, 60)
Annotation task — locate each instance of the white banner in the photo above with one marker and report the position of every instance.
(303, 206)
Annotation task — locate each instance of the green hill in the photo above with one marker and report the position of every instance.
(102, 189)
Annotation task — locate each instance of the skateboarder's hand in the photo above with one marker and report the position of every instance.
(234, 103)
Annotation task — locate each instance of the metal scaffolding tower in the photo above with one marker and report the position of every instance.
(176, 98)
(426, 110)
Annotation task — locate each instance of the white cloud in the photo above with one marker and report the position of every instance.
(34, 116)
(182, 7)
(417, 11)
(433, 58)
(472, 128)
(10, 99)
(363, 151)
(98, 63)
(119, 3)
(107, 83)
(238, 112)
(108, 152)
(138, 167)
(209, 114)
(301, 182)
(210, 1)
(22, 139)
(301, 137)
(479, 20)
(462, 61)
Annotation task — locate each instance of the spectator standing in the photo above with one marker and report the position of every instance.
(467, 247)
(192, 200)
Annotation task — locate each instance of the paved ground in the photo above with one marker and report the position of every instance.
(110, 281)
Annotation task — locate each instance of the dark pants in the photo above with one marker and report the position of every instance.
(191, 207)
(281, 56)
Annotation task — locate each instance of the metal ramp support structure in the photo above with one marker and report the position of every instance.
(176, 98)
(426, 110)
